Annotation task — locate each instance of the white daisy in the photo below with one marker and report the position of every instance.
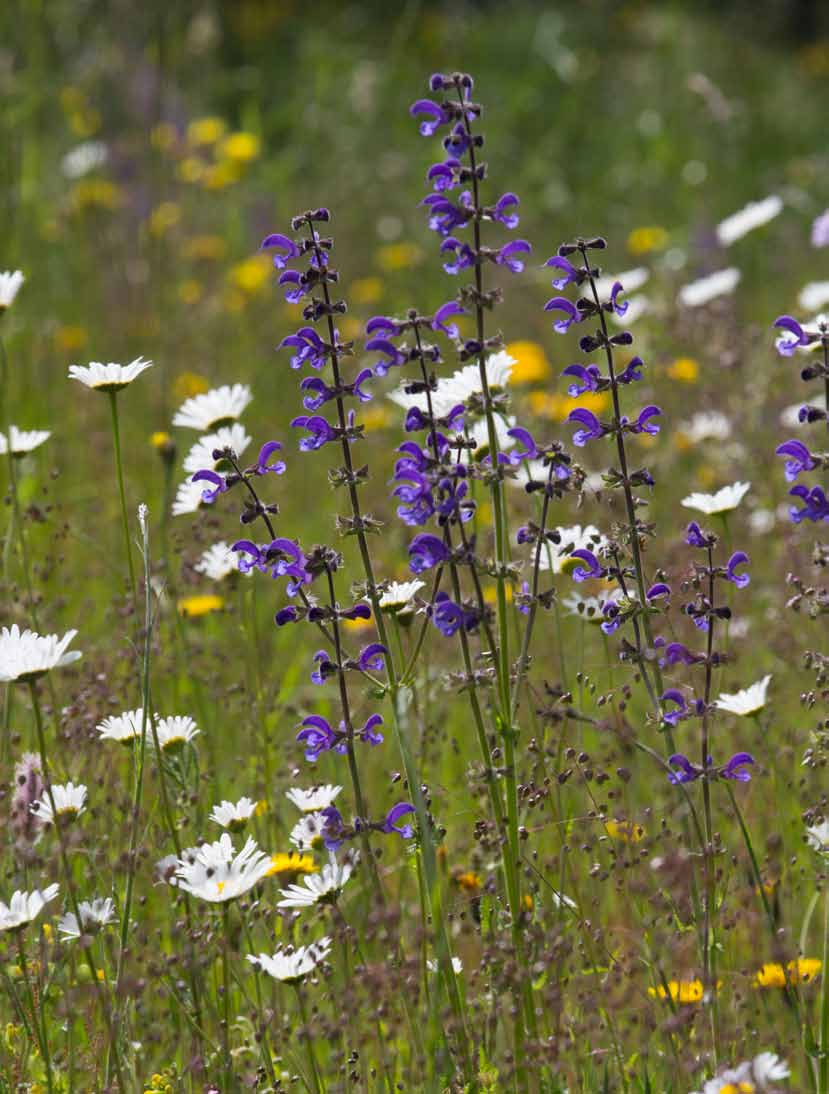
(10, 283)
(188, 498)
(322, 888)
(84, 158)
(111, 377)
(306, 834)
(576, 538)
(94, 915)
(24, 907)
(818, 836)
(754, 215)
(200, 456)
(217, 874)
(291, 965)
(700, 292)
(215, 408)
(630, 279)
(233, 815)
(122, 727)
(458, 387)
(761, 521)
(588, 608)
(24, 655)
(457, 965)
(722, 502)
(175, 732)
(814, 296)
(70, 802)
(480, 434)
(398, 596)
(747, 701)
(23, 442)
(218, 562)
(751, 1077)
(706, 425)
(313, 801)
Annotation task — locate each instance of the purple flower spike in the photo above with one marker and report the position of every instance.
(620, 309)
(426, 551)
(569, 273)
(676, 653)
(660, 589)
(527, 450)
(445, 312)
(590, 568)
(358, 611)
(367, 733)
(382, 325)
(732, 769)
(392, 356)
(309, 348)
(632, 371)
(447, 616)
(390, 824)
(501, 207)
(220, 486)
(688, 771)
(286, 615)
(795, 335)
(644, 423)
(372, 658)
(320, 431)
(464, 255)
(265, 453)
(434, 116)
(325, 668)
(694, 536)
(443, 176)
(673, 717)
(296, 287)
(800, 458)
(317, 736)
(278, 243)
(588, 379)
(592, 428)
(571, 313)
(816, 507)
(739, 558)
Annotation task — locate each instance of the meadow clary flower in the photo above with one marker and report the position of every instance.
(10, 282)
(24, 655)
(214, 872)
(322, 888)
(200, 455)
(94, 915)
(754, 215)
(110, 377)
(554, 556)
(122, 727)
(722, 502)
(175, 732)
(233, 815)
(751, 1077)
(70, 802)
(697, 293)
(291, 965)
(215, 408)
(189, 498)
(818, 837)
(314, 800)
(746, 701)
(23, 442)
(24, 907)
(218, 562)
(398, 595)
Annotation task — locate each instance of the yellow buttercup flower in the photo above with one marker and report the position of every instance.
(205, 248)
(801, 971)
(557, 407)
(164, 217)
(491, 594)
(189, 384)
(398, 256)
(204, 131)
(531, 364)
(642, 240)
(194, 606)
(190, 291)
(95, 193)
(252, 274)
(220, 175)
(469, 881)
(292, 863)
(70, 339)
(366, 290)
(240, 147)
(679, 991)
(684, 369)
(624, 831)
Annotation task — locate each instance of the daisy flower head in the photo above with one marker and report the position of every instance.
(306, 834)
(69, 803)
(176, 732)
(706, 425)
(817, 837)
(110, 377)
(25, 907)
(706, 289)
(292, 965)
(576, 538)
(200, 455)
(726, 499)
(10, 283)
(25, 656)
(754, 215)
(188, 498)
(215, 408)
(322, 888)
(216, 873)
(233, 815)
(122, 727)
(22, 441)
(218, 562)
(95, 915)
(751, 1077)
(747, 701)
(397, 597)
(314, 800)
(479, 433)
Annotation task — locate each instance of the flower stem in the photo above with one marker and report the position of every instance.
(309, 1042)
(116, 440)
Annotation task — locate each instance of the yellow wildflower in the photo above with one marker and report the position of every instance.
(469, 881)
(190, 291)
(70, 339)
(203, 131)
(376, 418)
(642, 240)
(679, 991)
(164, 217)
(366, 290)
(92, 193)
(624, 831)
(164, 444)
(398, 256)
(684, 369)
(261, 808)
(207, 248)
(251, 274)
(291, 864)
(801, 971)
(190, 169)
(189, 384)
(491, 594)
(240, 147)
(557, 407)
(194, 606)
(531, 364)
(220, 175)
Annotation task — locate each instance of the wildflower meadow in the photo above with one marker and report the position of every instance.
(413, 447)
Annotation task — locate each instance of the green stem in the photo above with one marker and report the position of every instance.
(309, 1041)
(823, 1068)
(116, 439)
(227, 1063)
(39, 1020)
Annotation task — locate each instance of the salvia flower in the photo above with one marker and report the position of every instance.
(25, 656)
(390, 824)
(591, 428)
(282, 249)
(70, 802)
(213, 409)
(798, 458)
(309, 348)
(689, 772)
(425, 551)
(290, 965)
(569, 310)
(25, 907)
(233, 815)
(95, 915)
(218, 485)
(673, 717)
(111, 377)
(794, 336)
(815, 504)
(588, 565)
(739, 558)
(216, 873)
